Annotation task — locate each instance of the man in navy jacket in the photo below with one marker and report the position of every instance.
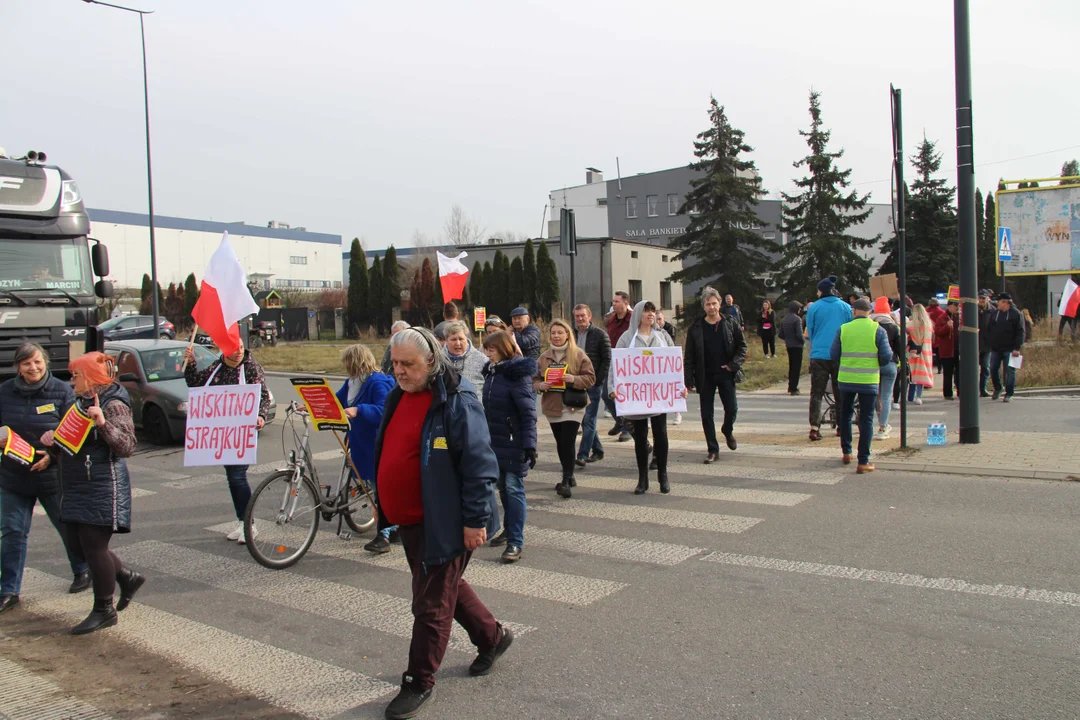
(435, 473)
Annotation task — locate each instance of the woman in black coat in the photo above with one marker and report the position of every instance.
(767, 329)
(96, 487)
(510, 406)
(31, 403)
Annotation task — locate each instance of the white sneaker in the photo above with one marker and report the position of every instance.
(254, 533)
(237, 533)
(917, 401)
(896, 406)
(678, 418)
(607, 414)
(881, 434)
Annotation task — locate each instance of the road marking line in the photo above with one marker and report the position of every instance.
(281, 677)
(356, 606)
(646, 514)
(156, 473)
(678, 489)
(619, 548)
(25, 696)
(724, 468)
(1012, 592)
(517, 579)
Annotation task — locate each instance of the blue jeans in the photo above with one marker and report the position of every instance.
(997, 359)
(238, 488)
(984, 371)
(866, 422)
(16, 513)
(590, 439)
(884, 393)
(914, 390)
(512, 494)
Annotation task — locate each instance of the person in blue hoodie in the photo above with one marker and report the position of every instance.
(363, 396)
(510, 406)
(823, 321)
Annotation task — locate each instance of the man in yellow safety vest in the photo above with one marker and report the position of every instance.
(860, 349)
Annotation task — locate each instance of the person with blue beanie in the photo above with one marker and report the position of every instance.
(823, 321)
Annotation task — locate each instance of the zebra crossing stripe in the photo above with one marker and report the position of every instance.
(1012, 592)
(725, 467)
(289, 680)
(356, 606)
(25, 696)
(254, 472)
(690, 519)
(139, 469)
(680, 489)
(649, 551)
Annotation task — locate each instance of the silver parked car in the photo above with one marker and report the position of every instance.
(151, 370)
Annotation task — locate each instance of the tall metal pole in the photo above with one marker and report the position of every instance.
(965, 202)
(901, 253)
(149, 182)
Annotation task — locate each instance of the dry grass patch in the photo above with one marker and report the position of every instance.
(313, 357)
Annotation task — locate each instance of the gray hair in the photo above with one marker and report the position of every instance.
(423, 341)
(26, 351)
(707, 292)
(454, 327)
(399, 325)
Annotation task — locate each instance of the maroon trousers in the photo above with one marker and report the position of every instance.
(441, 596)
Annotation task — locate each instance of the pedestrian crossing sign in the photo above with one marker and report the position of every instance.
(1004, 244)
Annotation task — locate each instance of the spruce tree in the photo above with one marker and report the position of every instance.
(988, 246)
(476, 285)
(391, 285)
(932, 233)
(375, 293)
(720, 205)
(144, 291)
(547, 282)
(517, 282)
(986, 257)
(487, 286)
(357, 310)
(1070, 169)
(528, 269)
(818, 218)
(500, 280)
(191, 293)
(430, 292)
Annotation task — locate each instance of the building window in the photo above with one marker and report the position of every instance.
(663, 258)
(672, 204)
(601, 202)
(665, 295)
(650, 205)
(337, 283)
(631, 207)
(635, 291)
(298, 259)
(633, 254)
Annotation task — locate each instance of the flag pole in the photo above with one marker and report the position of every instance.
(191, 344)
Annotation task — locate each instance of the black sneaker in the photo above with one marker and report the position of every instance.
(595, 457)
(731, 443)
(379, 545)
(485, 661)
(410, 701)
(7, 602)
(616, 430)
(580, 462)
(996, 395)
(498, 540)
(512, 553)
(395, 536)
(625, 437)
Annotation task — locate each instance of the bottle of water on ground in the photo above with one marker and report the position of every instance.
(935, 434)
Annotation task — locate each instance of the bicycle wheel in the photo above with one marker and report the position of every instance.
(360, 516)
(281, 520)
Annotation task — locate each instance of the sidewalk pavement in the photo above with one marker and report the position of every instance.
(1042, 456)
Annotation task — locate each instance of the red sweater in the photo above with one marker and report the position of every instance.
(398, 477)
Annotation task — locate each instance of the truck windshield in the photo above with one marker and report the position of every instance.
(46, 264)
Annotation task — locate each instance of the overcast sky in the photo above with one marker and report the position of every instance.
(373, 119)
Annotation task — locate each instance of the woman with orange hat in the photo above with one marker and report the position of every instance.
(96, 487)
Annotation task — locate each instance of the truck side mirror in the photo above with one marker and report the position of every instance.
(104, 288)
(99, 257)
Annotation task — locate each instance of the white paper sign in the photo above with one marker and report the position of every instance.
(648, 381)
(221, 425)
(1016, 361)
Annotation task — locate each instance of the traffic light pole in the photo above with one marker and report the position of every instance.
(901, 254)
(965, 201)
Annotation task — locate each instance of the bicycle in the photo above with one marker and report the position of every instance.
(282, 518)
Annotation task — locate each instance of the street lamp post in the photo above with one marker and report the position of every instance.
(149, 167)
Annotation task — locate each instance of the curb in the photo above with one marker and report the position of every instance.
(1019, 473)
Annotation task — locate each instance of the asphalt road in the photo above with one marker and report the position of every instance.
(760, 588)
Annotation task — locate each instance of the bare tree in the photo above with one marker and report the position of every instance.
(460, 229)
(509, 237)
(421, 240)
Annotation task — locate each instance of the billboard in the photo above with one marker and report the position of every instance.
(1045, 224)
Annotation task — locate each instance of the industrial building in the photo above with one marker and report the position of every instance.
(274, 257)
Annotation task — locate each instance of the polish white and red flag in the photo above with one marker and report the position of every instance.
(224, 299)
(452, 276)
(1070, 299)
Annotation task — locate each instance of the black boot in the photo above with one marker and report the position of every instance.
(642, 483)
(129, 582)
(80, 583)
(103, 616)
(665, 486)
(563, 488)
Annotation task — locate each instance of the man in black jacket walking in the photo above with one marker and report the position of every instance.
(597, 347)
(715, 351)
(1005, 335)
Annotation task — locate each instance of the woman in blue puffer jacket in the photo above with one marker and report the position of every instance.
(510, 406)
